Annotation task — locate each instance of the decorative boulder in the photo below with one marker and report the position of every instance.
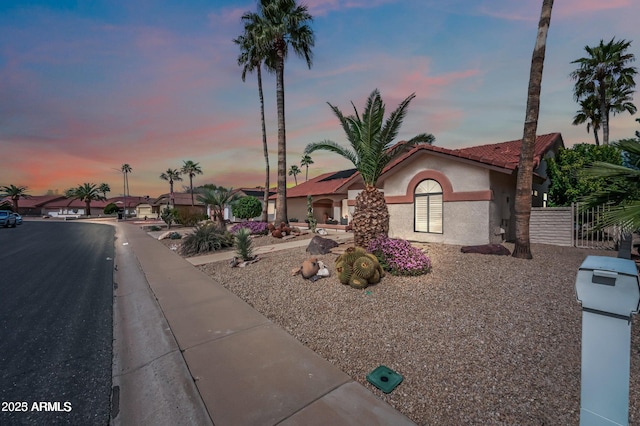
(309, 268)
(319, 245)
(487, 249)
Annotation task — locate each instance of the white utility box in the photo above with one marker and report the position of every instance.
(609, 291)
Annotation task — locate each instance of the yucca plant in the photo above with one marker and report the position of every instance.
(372, 149)
(243, 244)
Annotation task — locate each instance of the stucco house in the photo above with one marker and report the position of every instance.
(455, 196)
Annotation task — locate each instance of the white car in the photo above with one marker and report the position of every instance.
(18, 219)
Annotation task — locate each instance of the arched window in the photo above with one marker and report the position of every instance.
(428, 207)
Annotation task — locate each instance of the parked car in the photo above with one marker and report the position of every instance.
(7, 219)
(18, 219)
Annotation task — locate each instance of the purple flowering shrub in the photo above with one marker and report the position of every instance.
(399, 257)
(256, 228)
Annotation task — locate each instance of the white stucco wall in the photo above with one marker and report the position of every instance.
(463, 177)
(465, 223)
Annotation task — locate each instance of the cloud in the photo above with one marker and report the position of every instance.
(323, 7)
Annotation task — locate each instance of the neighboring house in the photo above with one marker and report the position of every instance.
(34, 205)
(63, 207)
(60, 205)
(257, 192)
(182, 202)
(454, 196)
(135, 205)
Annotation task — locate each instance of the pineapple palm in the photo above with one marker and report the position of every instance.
(372, 149)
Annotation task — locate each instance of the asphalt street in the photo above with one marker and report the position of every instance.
(56, 316)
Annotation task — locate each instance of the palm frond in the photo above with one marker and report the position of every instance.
(601, 169)
(331, 146)
(393, 123)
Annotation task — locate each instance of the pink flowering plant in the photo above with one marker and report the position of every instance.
(256, 228)
(399, 257)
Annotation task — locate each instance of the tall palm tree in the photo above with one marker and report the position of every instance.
(284, 24)
(126, 169)
(190, 168)
(372, 149)
(86, 192)
(217, 197)
(15, 193)
(522, 205)
(589, 113)
(306, 162)
(294, 171)
(606, 66)
(104, 188)
(171, 175)
(252, 58)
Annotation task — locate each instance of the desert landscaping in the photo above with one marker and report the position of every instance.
(481, 339)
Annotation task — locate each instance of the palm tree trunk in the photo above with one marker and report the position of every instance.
(524, 185)
(281, 199)
(88, 207)
(173, 201)
(265, 203)
(191, 188)
(595, 136)
(604, 113)
(15, 202)
(126, 185)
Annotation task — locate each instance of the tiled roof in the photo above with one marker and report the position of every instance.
(257, 192)
(507, 154)
(180, 199)
(33, 201)
(132, 200)
(327, 183)
(504, 155)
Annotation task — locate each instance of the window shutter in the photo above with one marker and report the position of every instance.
(422, 214)
(435, 213)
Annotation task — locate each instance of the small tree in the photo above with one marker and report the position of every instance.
(169, 215)
(247, 208)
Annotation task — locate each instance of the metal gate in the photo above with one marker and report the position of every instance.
(587, 235)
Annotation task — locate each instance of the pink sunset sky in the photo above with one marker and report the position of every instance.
(88, 86)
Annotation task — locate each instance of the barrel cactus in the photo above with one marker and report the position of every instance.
(358, 268)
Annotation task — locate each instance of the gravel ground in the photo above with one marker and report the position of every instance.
(479, 340)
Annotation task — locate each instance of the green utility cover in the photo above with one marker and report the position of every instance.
(384, 379)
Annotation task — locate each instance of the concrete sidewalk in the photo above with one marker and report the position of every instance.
(247, 370)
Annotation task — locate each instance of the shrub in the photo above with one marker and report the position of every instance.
(190, 217)
(399, 257)
(206, 238)
(256, 228)
(247, 207)
(155, 228)
(175, 236)
(243, 244)
(110, 208)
